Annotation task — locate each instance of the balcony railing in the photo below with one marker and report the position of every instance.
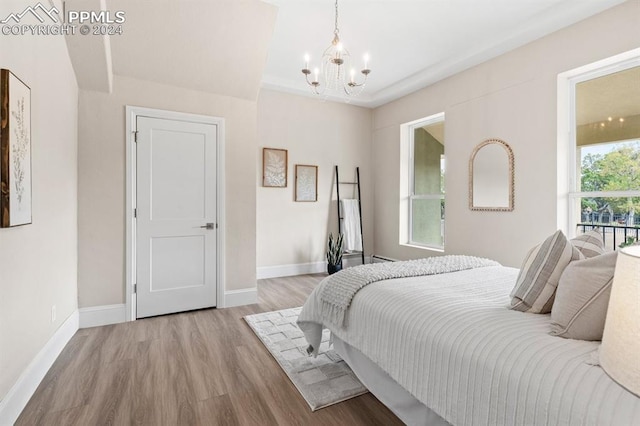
(613, 235)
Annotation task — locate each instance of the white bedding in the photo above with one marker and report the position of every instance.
(452, 343)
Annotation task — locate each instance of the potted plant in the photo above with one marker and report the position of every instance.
(629, 242)
(334, 254)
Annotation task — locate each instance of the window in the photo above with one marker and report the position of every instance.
(605, 183)
(425, 164)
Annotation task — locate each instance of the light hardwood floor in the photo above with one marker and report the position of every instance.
(195, 368)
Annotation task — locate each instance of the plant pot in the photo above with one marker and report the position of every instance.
(332, 269)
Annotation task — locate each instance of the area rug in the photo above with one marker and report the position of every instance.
(322, 381)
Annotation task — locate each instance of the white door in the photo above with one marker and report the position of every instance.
(176, 227)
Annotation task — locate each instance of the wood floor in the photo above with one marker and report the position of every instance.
(196, 368)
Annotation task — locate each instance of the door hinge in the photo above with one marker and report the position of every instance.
(135, 288)
(135, 136)
(135, 213)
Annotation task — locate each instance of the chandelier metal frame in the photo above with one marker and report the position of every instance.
(335, 61)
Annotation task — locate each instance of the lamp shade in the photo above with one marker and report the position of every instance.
(620, 350)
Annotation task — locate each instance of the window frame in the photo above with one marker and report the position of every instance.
(574, 193)
(411, 195)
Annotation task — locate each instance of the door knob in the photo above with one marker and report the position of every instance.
(209, 226)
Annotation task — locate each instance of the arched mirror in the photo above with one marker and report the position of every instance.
(491, 176)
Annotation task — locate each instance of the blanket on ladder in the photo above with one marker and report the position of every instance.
(341, 287)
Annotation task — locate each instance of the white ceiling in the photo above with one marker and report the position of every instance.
(215, 46)
(233, 47)
(412, 43)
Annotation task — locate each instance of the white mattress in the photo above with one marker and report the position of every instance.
(450, 341)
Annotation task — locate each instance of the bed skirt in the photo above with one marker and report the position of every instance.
(408, 409)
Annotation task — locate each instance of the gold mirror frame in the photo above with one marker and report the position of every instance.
(510, 157)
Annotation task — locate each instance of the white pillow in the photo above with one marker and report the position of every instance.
(535, 287)
(590, 243)
(580, 308)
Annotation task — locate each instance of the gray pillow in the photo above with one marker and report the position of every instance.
(582, 298)
(590, 243)
(536, 284)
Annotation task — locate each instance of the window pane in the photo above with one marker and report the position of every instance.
(428, 164)
(608, 132)
(618, 219)
(618, 211)
(428, 222)
(610, 167)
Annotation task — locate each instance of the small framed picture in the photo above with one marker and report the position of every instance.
(15, 151)
(306, 182)
(274, 167)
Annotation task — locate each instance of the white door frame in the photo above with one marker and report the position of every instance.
(132, 113)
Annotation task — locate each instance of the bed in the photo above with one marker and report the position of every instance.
(444, 349)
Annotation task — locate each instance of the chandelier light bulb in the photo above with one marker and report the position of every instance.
(353, 75)
(621, 120)
(610, 118)
(366, 61)
(306, 61)
(316, 71)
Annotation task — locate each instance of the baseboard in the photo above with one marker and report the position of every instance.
(290, 270)
(245, 296)
(16, 399)
(305, 268)
(96, 316)
(354, 260)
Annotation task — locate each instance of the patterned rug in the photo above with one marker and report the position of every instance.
(322, 381)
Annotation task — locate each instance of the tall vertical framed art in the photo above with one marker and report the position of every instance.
(274, 167)
(15, 151)
(306, 182)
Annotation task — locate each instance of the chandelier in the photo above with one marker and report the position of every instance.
(336, 60)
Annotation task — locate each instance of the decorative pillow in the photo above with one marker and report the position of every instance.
(536, 284)
(580, 308)
(590, 243)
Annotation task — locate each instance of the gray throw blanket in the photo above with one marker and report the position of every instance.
(343, 286)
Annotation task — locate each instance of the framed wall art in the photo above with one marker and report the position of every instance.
(274, 167)
(306, 182)
(15, 151)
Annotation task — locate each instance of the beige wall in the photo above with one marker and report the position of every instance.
(316, 133)
(101, 187)
(38, 261)
(512, 97)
